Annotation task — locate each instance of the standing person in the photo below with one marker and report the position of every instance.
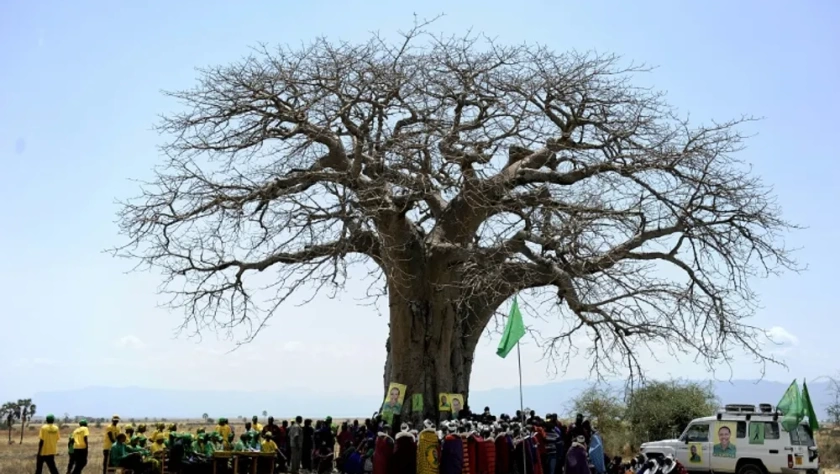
(111, 433)
(345, 438)
(47, 446)
(80, 446)
(576, 457)
(226, 432)
(552, 436)
(295, 435)
(308, 439)
(256, 424)
(70, 457)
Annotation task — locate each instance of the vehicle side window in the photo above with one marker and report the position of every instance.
(771, 430)
(741, 430)
(698, 433)
(801, 436)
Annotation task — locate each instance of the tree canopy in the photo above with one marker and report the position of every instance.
(662, 410)
(466, 171)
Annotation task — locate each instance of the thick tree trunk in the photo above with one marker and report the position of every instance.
(430, 349)
(434, 330)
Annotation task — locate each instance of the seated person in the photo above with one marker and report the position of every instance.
(128, 457)
(324, 457)
(242, 444)
(268, 445)
(157, 448)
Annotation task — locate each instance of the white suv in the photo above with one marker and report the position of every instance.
(741, 440)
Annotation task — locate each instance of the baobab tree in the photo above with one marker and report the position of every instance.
(462, 172)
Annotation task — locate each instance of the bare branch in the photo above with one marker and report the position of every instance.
(468, 171)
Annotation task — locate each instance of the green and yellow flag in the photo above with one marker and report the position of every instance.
(514, 331)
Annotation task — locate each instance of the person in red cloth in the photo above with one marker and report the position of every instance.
(473, 443)
(487, 452)
(383, 450)
(464, 434)
(504, 445)
(404, 460)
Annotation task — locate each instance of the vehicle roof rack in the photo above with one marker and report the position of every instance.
(739, 408)
(744, 408)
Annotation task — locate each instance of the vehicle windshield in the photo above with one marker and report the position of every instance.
(696, 433)
(802, 436)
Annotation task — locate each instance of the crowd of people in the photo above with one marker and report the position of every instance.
(471, 444)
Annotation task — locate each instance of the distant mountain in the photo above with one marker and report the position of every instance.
(139, 402)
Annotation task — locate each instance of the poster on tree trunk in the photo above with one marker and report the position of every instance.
(393, 401)
(456, 401)
(417, 402)
(443, 402)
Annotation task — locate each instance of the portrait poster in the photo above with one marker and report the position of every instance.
(756, 432)
(393, 403)
(443, 402)
(724, 440)
(417, 402)
(695, 453)
(456, 402)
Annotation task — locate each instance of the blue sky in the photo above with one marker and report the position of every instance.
(79, 93)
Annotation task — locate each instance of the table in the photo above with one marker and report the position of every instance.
(253, 455)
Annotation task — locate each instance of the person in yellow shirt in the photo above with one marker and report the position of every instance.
(157, 448)
(158, 433)
(226, 432)
(111, 433)
(268, 445)
(256, 424)
(47, 446)
(80, 446)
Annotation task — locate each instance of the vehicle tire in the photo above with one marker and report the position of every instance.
(750, 468)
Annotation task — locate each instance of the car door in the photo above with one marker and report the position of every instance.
(736, 431)
(772, 451)
(695, 450)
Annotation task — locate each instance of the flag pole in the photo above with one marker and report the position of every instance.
(522, 410)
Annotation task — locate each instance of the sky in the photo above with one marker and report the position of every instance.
(80, 90)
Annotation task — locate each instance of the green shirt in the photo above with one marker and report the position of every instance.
(719, 452)
(118, 453)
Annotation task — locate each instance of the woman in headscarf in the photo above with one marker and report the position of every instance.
(576, 458)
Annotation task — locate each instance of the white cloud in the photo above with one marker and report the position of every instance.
(782, 337)
(130, 342)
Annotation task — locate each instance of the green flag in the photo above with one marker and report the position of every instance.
(514, 330)
(809, 408)
(791, 407)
